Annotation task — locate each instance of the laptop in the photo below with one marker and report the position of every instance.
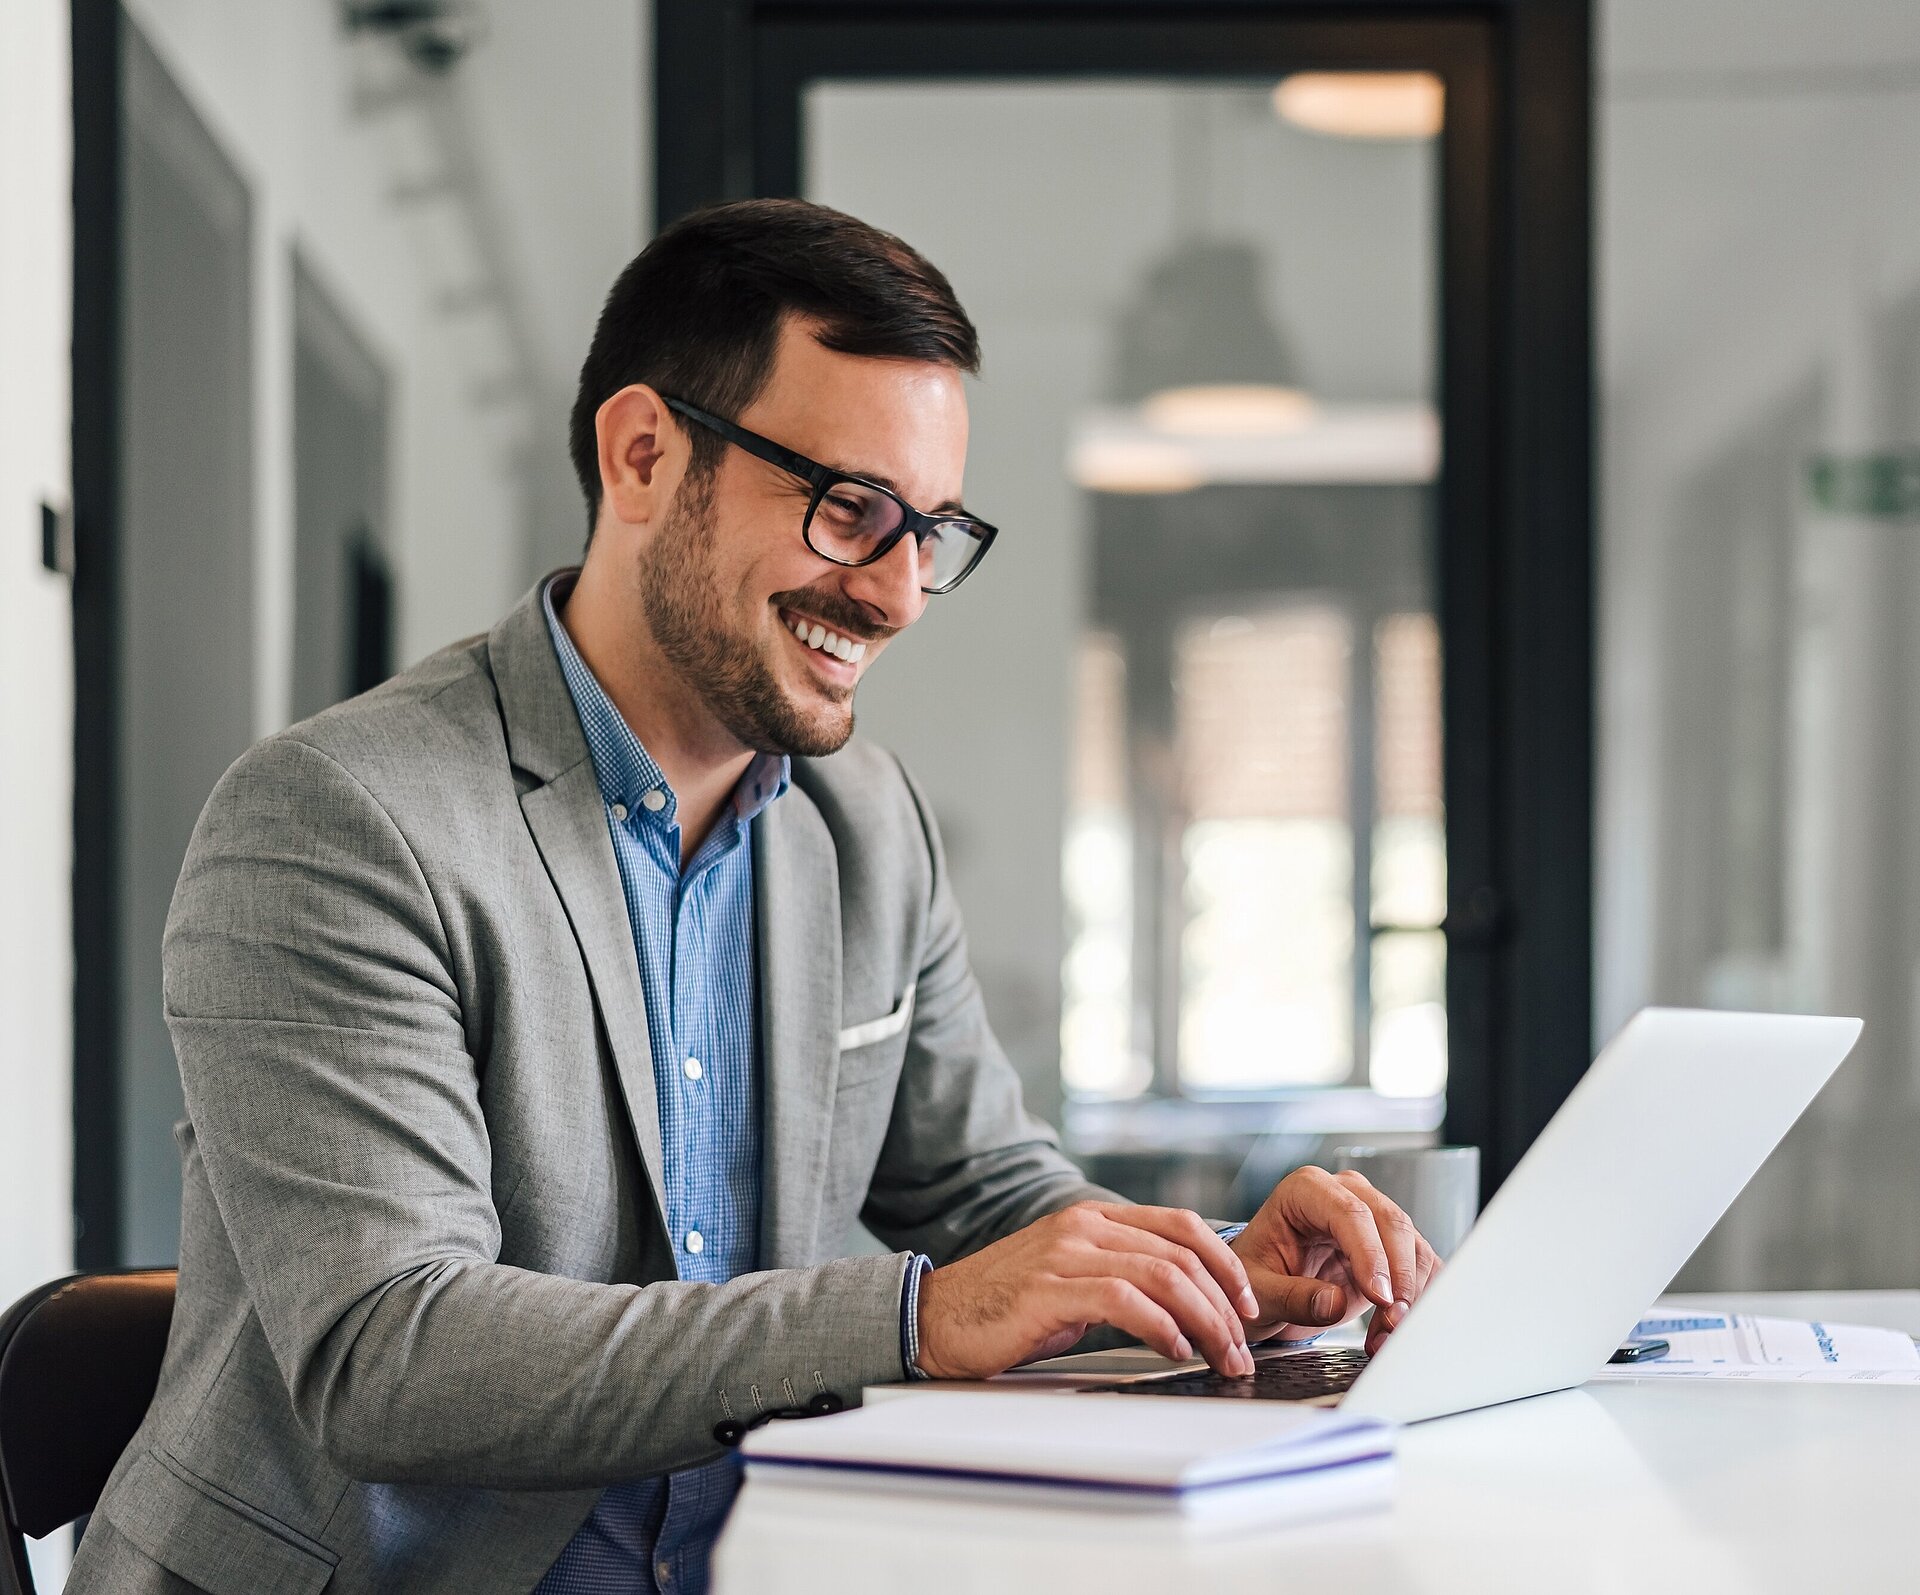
(1659, 1136)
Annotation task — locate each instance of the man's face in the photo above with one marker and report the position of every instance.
(726, 581)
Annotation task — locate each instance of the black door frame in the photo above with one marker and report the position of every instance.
(1516, 581)
(98, 780)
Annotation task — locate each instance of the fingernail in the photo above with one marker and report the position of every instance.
(1181, 1350)
(1249, 1303)
(1400, 1310)
(1382, 1290)
(1326, 1302)
(1245, 1360)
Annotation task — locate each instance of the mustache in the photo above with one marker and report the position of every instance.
(835, 610)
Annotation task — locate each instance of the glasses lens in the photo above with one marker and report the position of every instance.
(947, 554)
(851, 521)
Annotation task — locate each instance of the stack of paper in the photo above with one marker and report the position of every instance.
(1269, 1459)
(1736, 1346)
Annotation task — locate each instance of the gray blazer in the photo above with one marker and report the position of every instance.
(427, 1307)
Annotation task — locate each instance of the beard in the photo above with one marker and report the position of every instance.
(680, 598)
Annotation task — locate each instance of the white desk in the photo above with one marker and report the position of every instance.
(1621, 1489)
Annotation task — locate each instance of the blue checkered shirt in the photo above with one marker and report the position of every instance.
(693, 934)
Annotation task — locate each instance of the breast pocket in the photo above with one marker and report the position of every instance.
(872, 1048)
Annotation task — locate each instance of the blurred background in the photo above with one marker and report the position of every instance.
(302, 288)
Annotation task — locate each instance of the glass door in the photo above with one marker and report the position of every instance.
(1208, 425)
(1208, 640)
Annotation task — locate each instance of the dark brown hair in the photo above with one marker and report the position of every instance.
(697, 314)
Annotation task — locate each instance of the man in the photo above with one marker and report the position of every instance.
(548, 1016)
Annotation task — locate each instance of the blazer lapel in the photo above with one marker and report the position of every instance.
(796, 890)
(565, 814)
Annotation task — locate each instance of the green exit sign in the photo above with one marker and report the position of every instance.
(1884, 486)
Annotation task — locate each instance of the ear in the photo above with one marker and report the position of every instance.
(642, 453)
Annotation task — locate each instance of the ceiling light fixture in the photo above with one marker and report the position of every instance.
(1374, 105)
(1198, 358)
(1228, 410)
(1134, 465)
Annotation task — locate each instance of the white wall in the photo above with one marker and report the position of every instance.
(277, 87)
(561, 103)
(36, 707)
(1759, 794)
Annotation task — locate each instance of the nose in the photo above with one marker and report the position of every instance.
(890, 586)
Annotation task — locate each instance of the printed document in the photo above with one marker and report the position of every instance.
(1736, 1346)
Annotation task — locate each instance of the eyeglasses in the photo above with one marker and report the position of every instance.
(852, 521)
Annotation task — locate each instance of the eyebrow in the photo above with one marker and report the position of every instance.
(951, 506)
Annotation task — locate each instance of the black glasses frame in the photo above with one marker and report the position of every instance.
(822, 478)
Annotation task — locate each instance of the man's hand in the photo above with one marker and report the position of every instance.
(1323, 1247)
(1158, 1273)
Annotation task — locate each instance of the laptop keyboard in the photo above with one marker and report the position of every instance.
(1291, 1376)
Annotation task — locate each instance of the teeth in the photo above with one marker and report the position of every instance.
(817, 636)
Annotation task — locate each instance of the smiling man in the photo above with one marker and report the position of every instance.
(548, 1016)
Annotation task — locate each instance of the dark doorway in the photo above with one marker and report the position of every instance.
(343, 597)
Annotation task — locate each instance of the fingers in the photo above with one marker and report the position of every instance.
(1426, 1266)
(1330, 1205)
(1174, 1261)
(1196, 1236)
(1106, 1300)
(1207, 1321)
(1125, 1239)
(1293, 1299)
(1399, 1241)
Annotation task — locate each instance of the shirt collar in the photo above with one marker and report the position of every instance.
(626, 771)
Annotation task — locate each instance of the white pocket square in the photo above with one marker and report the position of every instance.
(879, 1029)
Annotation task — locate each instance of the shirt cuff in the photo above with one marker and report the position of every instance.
(917, 1269)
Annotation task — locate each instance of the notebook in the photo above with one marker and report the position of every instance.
(1100, 1452)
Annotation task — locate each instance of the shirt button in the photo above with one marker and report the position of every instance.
(653, 802)
(663, 1571)
(693, 1069)
(620, 811)
(696, 1242)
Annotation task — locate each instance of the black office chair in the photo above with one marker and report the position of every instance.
(79, 1360)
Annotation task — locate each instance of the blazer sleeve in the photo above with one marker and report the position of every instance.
(336, 1108)
(963, 1163)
